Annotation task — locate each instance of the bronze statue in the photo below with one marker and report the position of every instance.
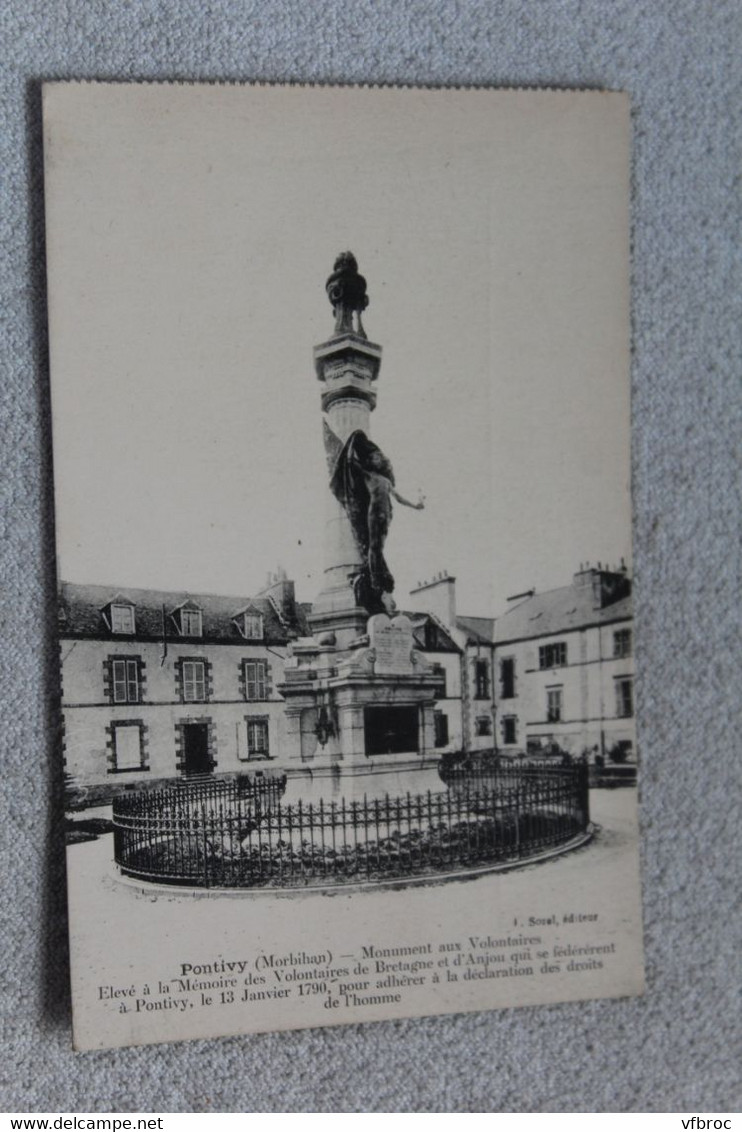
(362, 479)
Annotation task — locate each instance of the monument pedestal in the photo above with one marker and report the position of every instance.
(360, 719)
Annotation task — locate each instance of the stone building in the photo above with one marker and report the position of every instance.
(157, 685)
(437, 644)
(162, 685)
(474, 638)
(554, 671)
(564, 668)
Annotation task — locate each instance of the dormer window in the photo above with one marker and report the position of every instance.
(187, 619)
(253, 626)
(122, 618)
(190, 622)
(250, 624)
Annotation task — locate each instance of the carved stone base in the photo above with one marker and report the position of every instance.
(333, 612)
(332, 781)
(360, 720)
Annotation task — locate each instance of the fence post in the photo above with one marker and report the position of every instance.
(300, 817)
(205, 844)
(354, 820)
(378, 835)
(584, 792)
(323, 851)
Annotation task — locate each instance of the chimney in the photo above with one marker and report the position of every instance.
(437, 596)
(607, 585)
(584, 576)
(280, 590)
(521, 596)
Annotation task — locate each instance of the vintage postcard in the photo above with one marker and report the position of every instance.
(340, 391)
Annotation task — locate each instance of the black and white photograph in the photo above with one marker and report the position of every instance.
(340, 394)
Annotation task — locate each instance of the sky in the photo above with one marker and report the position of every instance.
(190, 231)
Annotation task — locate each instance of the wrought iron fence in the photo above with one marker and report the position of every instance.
(482, 769)
(217, 836)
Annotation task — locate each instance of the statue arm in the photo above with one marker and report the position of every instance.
(406, 502)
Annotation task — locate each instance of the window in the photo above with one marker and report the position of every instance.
(622, 751)
(622, 643)
(257, 738)
(255, 680)
(507, 678)
(193, 681)
(125, 680)
(482, 679)
(553, 705)
(509, 729)
(484, 725)
(440, 672)
(127, 746)
(252, 627)
(440, 722)
(624, 697)
(122, 618)
(430, 636)
(190, 622)
(552, 656)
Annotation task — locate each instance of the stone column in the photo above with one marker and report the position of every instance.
(292, 749)
(347, 365)
(427, 728)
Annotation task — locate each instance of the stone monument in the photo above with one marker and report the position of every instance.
(359, 695)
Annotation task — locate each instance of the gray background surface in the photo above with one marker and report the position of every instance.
(678, 1047)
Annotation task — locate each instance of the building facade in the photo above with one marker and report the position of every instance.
(437, 644)
(474, 638)
(564, 669)
(162, 685)
(554, 673)
(159, 686)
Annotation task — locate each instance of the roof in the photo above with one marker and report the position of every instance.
(430, 634)
(81, 606)
(558, 611)
(480, 630)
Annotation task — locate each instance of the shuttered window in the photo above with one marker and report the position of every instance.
(194, 681)
(255, 679)
(125, 681)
